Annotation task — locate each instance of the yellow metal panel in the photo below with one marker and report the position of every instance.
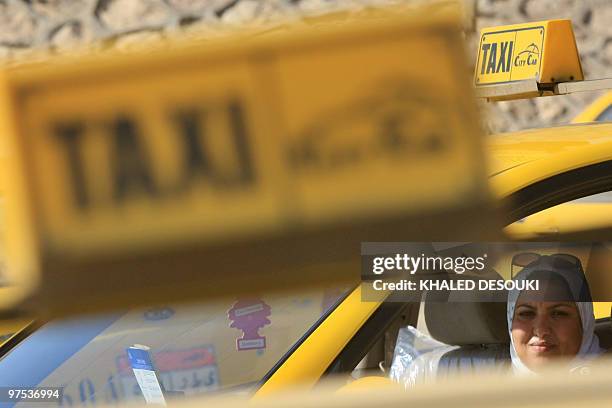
(367, 384)
(563, 218)
(522, 158)
(495, 62)
(544, 50)
(365, 103)
(107, 196)
(215, 160)
(602, 309)
(510, 181)
(560, 58)
(10, 327)
(307, 364)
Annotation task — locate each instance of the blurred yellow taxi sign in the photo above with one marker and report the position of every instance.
(207, 164)
(538, 54)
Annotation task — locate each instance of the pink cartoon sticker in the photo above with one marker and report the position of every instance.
(249, 315)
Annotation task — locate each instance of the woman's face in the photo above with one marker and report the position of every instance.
(545, 331)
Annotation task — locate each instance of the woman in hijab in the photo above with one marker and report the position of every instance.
(554, 323)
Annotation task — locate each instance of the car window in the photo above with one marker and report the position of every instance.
(590, 212)
(220, 346)
(595, 198)
(606, 115)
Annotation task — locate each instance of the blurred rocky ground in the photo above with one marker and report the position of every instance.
(59, 25)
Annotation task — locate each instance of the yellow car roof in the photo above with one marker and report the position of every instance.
(508, 150)
(519, 159)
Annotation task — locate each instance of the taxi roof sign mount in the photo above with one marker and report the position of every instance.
(528, 60)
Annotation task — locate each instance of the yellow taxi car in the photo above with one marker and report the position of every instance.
(302, 337)
(584, 213)
(560, 73)
(263, 343)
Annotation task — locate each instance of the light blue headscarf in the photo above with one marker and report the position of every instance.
(576, 281)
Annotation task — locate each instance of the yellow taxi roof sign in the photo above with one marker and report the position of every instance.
(526, 59)
(189, 172)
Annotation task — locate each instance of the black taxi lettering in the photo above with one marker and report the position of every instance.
(197, 162)
(131, 168)
(70, 134)
(496, 57)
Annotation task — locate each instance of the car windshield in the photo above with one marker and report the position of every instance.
(606, 115)
(214, 346)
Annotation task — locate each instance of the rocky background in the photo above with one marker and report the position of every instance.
(59, 25)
